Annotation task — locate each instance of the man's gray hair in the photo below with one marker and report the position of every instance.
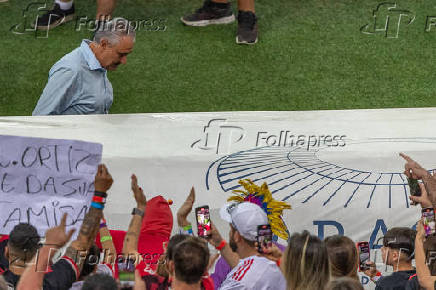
(114, 30)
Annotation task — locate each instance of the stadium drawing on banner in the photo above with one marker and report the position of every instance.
(297, 174)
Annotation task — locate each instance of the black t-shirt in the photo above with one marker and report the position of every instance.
(62, 274)
(61, 277)
(413, 284)
(397, 281)
(4, 263)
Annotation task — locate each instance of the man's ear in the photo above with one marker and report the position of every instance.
(6, 252)
(237, 237)
(395, 256)
(171, 268)
(104, 43)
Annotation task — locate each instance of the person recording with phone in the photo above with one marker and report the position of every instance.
(251, 271)
(398, 252)
(425, 242)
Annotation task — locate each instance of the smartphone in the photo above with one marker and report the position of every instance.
(428, 221)
(126, 271)
(203, 220)
(264, 237)
(415, 190)
(363, 250)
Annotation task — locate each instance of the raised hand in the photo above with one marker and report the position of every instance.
(213, 236)
(371, 271)
(56, 236)
(423, 200)
(138, 193)
(416, 171)
(413, 169)
(185, 209)
(103, 179)
(272, 253)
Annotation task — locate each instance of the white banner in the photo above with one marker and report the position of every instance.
(340, 170)
(40, 179)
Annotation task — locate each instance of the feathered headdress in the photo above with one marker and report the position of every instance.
(261, 196)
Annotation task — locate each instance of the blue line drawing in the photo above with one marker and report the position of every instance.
(296, 172)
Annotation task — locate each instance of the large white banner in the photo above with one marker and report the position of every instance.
(40, 179)
(340, 170)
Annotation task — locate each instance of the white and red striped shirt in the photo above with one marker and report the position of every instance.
(256, 273)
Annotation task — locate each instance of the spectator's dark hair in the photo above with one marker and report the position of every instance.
(173, 242)
(401, 238)
(100, 282)
(162, 269)
(24, 241)
(91, 261)
(343, 257)
(191, 258)
(344, 283)
(306, 262)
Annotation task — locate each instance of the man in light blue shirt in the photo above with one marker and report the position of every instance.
(77, 83)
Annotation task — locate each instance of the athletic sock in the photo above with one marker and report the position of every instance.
(219, 5)
(65, 5)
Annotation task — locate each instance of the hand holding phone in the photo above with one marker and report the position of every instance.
(264, 237)
(363, 251)
(415, 190)
(203, 220)
(126, 270)
(428, 221)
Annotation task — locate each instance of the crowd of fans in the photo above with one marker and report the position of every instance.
(146, 256)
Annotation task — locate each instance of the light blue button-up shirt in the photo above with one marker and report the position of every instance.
(77, 84)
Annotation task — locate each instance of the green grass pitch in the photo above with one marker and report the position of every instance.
(311, 55)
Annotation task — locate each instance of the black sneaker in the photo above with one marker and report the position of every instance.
(54, 17)
(210, 13)
(247, 28)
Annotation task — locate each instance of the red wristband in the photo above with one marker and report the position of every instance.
(221, 245)
(99, 199)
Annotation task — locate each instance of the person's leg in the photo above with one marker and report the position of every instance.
(247, 23)
(105, 9)
(65, 4)
(246, 5)
(62, 12)
(212, 12)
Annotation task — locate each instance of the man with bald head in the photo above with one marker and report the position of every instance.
(78, 83)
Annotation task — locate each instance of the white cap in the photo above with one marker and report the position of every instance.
(245, 217)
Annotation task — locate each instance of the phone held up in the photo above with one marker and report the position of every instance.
(415, 190)
(363, 251)
(428, 221)
(203, 220)
(264, 237)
